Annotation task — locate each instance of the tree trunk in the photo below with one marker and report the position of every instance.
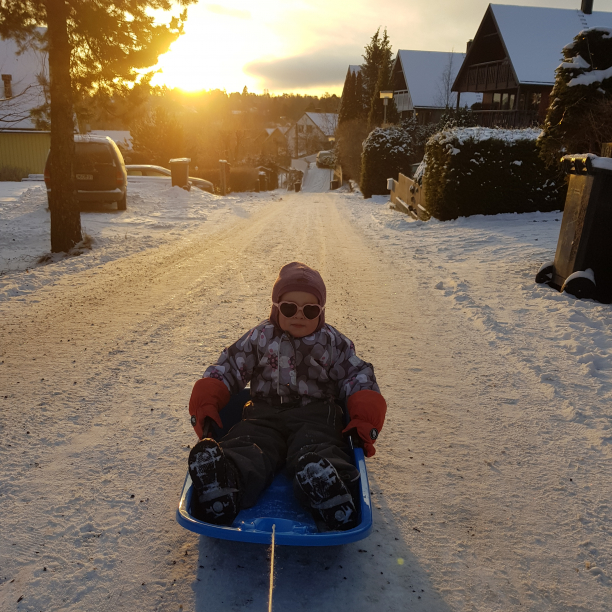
(65, 214)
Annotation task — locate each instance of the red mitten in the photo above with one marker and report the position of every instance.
(209, 395)
(367, 410)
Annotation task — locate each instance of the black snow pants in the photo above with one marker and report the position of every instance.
(272, 437)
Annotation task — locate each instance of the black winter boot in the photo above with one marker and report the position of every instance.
(216, 492)
(328, 497)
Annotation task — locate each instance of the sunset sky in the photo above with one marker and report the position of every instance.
(307, 45)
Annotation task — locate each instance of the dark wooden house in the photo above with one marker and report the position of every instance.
(512, 60)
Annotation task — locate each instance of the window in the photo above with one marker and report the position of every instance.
(8, 89)
(534, 100)
(496, 101)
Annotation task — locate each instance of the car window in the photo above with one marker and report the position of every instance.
(155, 173)
(131, 172)
(93, 153)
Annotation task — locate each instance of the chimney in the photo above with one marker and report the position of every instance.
(469, 44)
(587, 7)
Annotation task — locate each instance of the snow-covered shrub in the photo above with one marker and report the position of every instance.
(485, 171)
(579, 118)
(386, 153)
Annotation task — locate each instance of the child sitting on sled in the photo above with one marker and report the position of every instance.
(298, 366)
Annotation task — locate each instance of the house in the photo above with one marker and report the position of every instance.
(274, 144)
(422, 82)
(22, 88)
(313, 131)
(22, 146)
(512, 60)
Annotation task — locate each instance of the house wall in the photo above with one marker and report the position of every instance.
(22, 71)
(25, 150)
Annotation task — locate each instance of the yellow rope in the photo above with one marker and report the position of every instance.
(271, 569)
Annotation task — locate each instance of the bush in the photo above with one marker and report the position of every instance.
(10, 173)
(386, 152)
(483, 171)
(349, 145)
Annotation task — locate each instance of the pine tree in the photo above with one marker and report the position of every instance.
(378, 58)
(377, 108)
(347, 104)
(158, 137)
(93, 45)
(360, 103)
(579, 118)
(369, 69)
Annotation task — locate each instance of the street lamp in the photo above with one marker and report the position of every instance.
(331, 140)
(386, 95)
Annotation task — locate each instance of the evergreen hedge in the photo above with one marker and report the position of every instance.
(484, 171)
(386, 153)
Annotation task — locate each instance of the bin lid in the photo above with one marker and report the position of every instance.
(180, 160)
(587, 163)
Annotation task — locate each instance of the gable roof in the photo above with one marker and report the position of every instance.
(326, 122)
(423, 73)
(534, 37)
(355, 68)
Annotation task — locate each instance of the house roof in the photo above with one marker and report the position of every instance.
(534, 37)
(354, 68)
(326, 122)
(424, 72)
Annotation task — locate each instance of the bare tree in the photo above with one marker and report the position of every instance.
(446, 97)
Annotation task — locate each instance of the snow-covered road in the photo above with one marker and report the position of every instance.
(492, 481)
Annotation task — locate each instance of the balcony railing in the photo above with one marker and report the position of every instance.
(506, 118)
(403, 100)
(489, 76)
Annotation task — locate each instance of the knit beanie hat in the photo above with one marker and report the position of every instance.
(297, 276)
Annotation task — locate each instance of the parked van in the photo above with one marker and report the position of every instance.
(99, 171)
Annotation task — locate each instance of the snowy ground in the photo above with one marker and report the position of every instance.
(492, 480)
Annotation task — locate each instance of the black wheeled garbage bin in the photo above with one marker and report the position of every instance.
(583, 261)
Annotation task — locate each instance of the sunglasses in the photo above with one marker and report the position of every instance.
(290, 309)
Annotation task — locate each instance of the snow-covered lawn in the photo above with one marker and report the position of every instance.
(492, 484)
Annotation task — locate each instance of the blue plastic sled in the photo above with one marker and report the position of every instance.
(276, 506)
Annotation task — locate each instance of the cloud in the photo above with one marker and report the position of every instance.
(230, 12)
(316, 69)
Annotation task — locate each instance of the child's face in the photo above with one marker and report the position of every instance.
(298, 325)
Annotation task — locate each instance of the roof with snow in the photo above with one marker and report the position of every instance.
(534, 37)
(326, 122)
(424, 75)
(355, 68)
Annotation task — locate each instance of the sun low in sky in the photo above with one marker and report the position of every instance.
(306, 46)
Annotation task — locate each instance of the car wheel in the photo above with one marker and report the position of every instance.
(122, 203)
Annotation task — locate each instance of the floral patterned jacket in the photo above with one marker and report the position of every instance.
(282, 368)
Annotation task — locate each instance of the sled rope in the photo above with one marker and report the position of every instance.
(271, 569)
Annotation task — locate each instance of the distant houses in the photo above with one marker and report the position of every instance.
(512, 60)
(312, 132)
